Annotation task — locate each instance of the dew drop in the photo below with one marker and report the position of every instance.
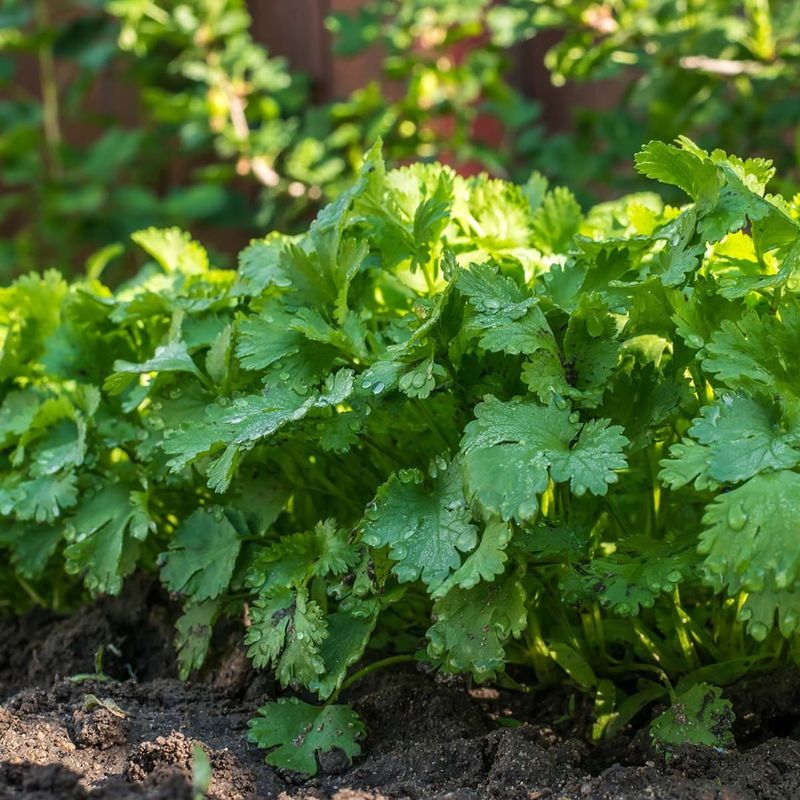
(378, 388)
(560, 402)
(574, 417)
(594, 327)
(156, 423)
(758, 630)
(693, 340)
(737, 517)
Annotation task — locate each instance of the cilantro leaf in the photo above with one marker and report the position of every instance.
(737, 437)
(348, 636)
(286, 629)
(202, 555)
(681, 167)
(556, 221)
(174, 250)
(473, 625)
(425, 529)
(104, 537)
(747, 546)
(761, 610)
(504, 317)
(45, 498)
(193, 635)
(698, 716)
(485, 563)
(637, 574)
(172, 357)
(297, 732)
(533, 441)
(757, 352)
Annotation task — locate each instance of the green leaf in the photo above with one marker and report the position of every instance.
(218, 356)
(484, 563)
(286, 629)
(761, 610)
(573, 663)
(687, 170)
(634, 576)
(556, 221)
(193, 638)
(104, 535)
(511, 448)
(202, 555)
(749, 541)
(269, 338)
(242, 423)
(174, 249)
(348, 636)
(505, 318)
(45, 498)
(260, 265)
(473, 625)
(758, 352)
(172, 357)
(698, 716)
(32, 546)
(424, 528)
(737, 437)
(299, 732)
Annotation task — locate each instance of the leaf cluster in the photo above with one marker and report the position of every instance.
(457, 420)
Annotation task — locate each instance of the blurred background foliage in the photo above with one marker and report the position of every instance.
(120, 114)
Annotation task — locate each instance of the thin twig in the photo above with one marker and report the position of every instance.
(49, 89)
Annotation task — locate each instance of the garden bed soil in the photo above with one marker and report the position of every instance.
(135, 736)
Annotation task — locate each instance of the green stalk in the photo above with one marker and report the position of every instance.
(364, 671)
(31, 592)
(49, 89)
(684, 640)
(538, 652)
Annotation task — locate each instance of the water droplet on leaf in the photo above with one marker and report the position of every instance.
(737, 517)
(758, 630)
(693, 340)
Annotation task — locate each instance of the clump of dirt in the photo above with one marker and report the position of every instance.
(135, 736)
(101, 728)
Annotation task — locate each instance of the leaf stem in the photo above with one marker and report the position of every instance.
(31, 592)
(370, 668)
(49, 89)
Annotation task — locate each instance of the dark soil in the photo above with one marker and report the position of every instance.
(134, 736)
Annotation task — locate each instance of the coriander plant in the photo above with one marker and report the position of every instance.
(458, 421)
